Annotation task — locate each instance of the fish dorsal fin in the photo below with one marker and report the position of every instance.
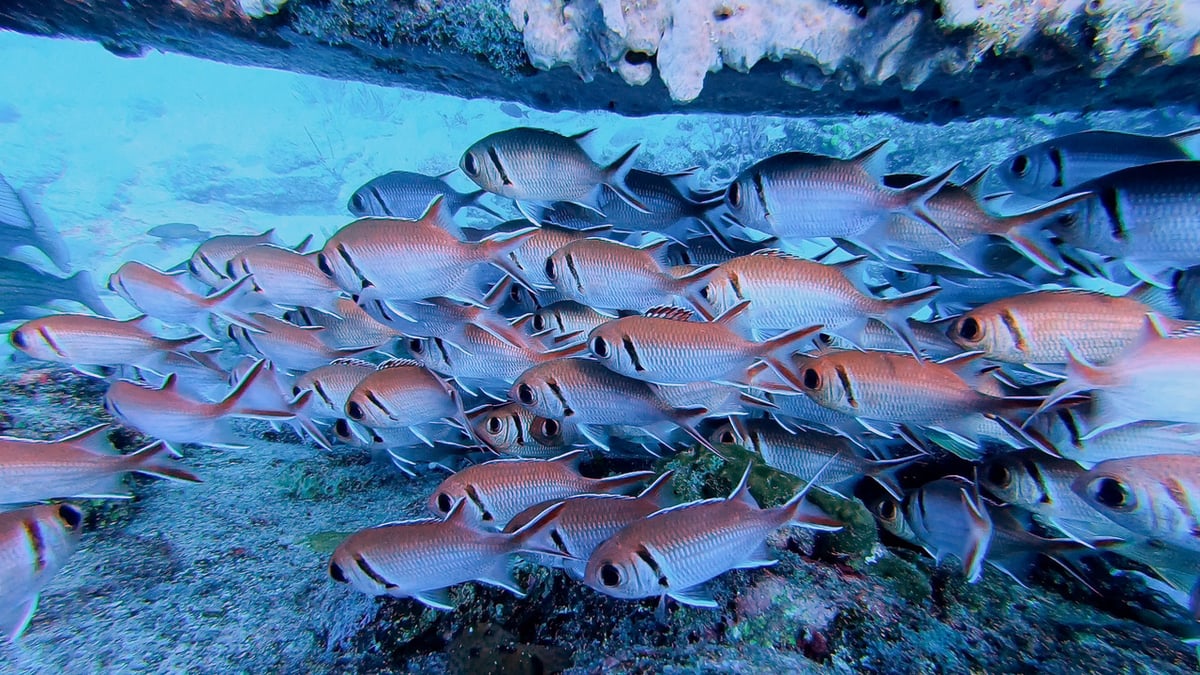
(571, 460)
(93, 439)
(741, 492)
(872, 159)
(1153, 330)
(659, 492)
(671, 313)
(499, 290)
(777, 253)
(729, 315)
(972, 184)
(438, 213)
(582, 134)
(397, 363)
(348, 361)
(298, 248)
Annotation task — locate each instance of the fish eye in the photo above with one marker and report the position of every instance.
(1112, 493)
(444, 503)
(825, 338)
(355, 411)
(706, 294)
(470, 165)
(600, 347)
(550, 269)
(71, 516)
(550, 427)
(525, 394)
(18, 339)
(416, 346)
(376, 438)
(728, 438)
(734, 195)
(1020, 165)
(886, 510)
(341, 428)
(296, 390)
(357, 201)
(999, 475)
(323, 265)
(514, 293)
(812, 379)
(539, 323)
(336, 573)
(493, 425)
(969, 329)
(609, 575)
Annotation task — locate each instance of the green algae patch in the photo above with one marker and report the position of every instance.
(326, 541)
(858, 535)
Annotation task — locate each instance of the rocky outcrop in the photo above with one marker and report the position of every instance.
(922, 59)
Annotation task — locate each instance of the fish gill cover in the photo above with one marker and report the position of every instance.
(576, 392)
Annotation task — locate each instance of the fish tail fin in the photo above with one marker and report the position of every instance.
(687, 419)
(179, 344)
(614, 177)
(797, 510)
(886, 473)
(979, 537)
(474, 200)
(659, 492)
(232, 403)
(897, 310)
(626, 483)
(498, 247)
(776, 353)
(1081, 376)
(1027, 235)
(536, 536)
(221, 303)
(912, 200)
(85, 285)
(14, 620)
(156, 460)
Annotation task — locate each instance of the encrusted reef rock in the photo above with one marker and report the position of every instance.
(921, 59)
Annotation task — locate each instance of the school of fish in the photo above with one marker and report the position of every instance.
(1000, 377)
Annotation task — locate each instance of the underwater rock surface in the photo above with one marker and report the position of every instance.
(929, 60)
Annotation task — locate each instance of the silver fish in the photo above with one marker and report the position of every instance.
(672, 209)
(673, 552)
(403, 393)
(396, 259)
(331, 386)
(290, 347)
(609, 276)
(799, 195)
(209, 263)
(1045, 170)
(590, 395)
(945, 517)
(404, 194)
(661, 347)
(25, 290)
(421, 559)
(510, 429)
(588, 520)
(502, 488)
(81, 340)
(785, 291)
(537, 167)
(35, 543)
(565, 320)
(22, 224)
(350, 328)
(82, 465)
(1064, 433)
(169, 297)
(448, 320)
(838, 459)
(1156, 496)
(167, 414)
(285, 278)
(273, 393)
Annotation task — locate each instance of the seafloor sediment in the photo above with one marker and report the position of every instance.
(230, 576)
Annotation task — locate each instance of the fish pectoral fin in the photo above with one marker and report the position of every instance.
(596, 436)
(760, 557)
(501, 576)
(437, 598)
(14, 620)
(696, 596)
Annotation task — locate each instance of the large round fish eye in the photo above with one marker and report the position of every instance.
(600, 347)
(550, 428)
(610, 575)
(886, 510)
(969, 329)
(538, 323)
(355, 411)
(71, 516)
(341, 428)
(444, 503)
(1020, 165)
(812, 379)
(525, 394)
(727, 437)
(999, 475)
(470, 165)
(18, 339)
(734, 195)
(357, 201)
(323, 265)
(296, 390)
(494, 425)
(550, 269)
(1112, 493)
(416, 346)
(336, 573)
